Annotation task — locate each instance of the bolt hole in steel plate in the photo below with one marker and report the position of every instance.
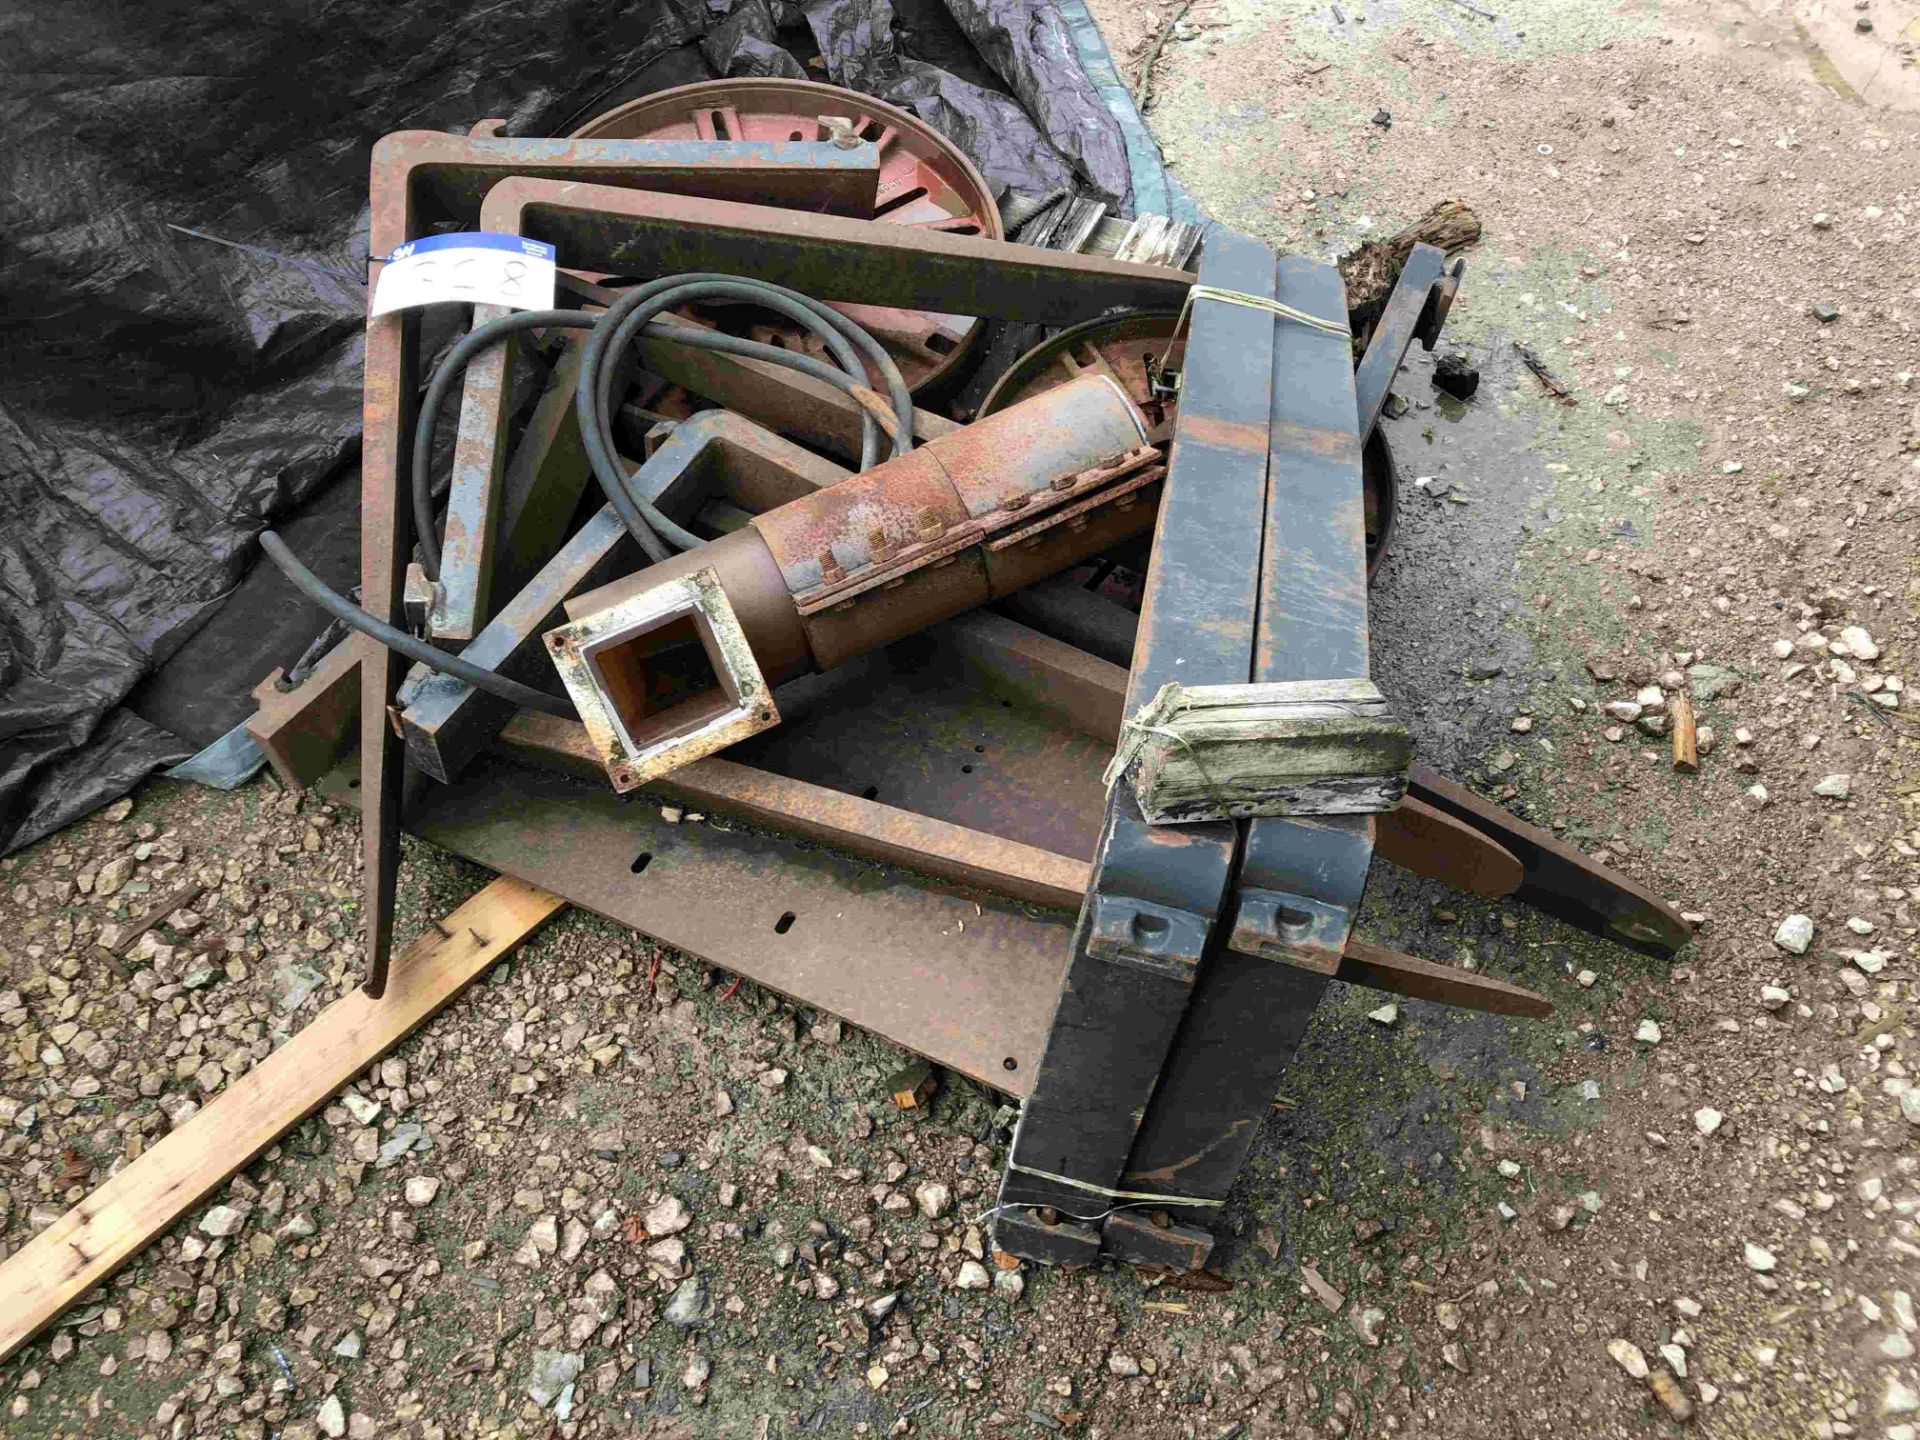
(924, 181)
(1123, 347)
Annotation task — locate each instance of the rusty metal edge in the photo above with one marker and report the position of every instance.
(877, 831)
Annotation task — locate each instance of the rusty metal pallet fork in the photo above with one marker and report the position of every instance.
(1193, 981)
(593, 848)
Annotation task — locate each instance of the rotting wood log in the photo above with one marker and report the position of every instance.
(1371, 270)
(120, 1218)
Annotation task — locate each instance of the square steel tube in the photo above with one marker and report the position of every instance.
(620, 232)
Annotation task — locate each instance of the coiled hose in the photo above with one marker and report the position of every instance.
(612, 332)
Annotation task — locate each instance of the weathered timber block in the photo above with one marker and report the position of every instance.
(1297, 747)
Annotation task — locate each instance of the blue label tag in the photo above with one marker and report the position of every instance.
(476, 240)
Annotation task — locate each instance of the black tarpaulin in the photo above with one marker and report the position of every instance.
(182, 260)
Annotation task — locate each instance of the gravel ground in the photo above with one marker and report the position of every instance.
(602, 1195)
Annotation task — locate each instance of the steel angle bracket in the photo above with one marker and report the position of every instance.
(714, 458)
(1149, 921)
(420, 180)
(829, 258)
(1290, 916)
(1416, 310)
(804, 175)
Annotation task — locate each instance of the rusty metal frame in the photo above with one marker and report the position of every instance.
(945, 939)
(927, 845)
(804, 175)
(419, 179)
(970, 1001)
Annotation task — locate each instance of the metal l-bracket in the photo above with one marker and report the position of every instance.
(633, 233)
(1416, 310)
(716, 456)
(809, 174)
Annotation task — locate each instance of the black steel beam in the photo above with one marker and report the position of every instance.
(1151, 912)
(1300, 880)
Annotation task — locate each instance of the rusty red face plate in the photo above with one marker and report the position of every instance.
(925, 182)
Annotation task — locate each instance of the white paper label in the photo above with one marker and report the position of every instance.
(471, 268)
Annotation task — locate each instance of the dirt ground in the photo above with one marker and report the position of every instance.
(600, 1195)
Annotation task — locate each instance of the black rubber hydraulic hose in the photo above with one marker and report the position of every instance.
(618, 327)
(613, 331)
(343, 609)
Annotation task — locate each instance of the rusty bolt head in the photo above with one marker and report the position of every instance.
(840, 130)
(830, 568)
(931, 527)
(1015, 502)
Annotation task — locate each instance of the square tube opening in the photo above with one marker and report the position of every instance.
(663, 679)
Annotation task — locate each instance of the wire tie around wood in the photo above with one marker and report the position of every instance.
(1145, 1197)
(1155, 718)
(1251, 302)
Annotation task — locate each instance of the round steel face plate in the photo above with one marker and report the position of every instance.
(924, 182)
(1128, 348)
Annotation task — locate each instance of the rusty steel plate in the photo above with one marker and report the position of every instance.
(925, 182)
(963, 977)
(966, 980)
(1131, 348)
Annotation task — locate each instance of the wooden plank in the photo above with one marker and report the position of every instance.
(1288, 747)
(119, 1219)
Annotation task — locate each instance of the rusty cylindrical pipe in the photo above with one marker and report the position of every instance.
(961, 520)
(837, 533)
